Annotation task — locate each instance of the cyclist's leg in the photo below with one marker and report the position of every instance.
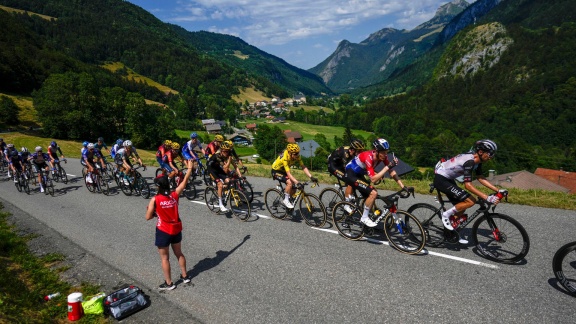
(369, 192)
(461, 198)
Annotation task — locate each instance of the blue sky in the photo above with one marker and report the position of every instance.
(302, 32)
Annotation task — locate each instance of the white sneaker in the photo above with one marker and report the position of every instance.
(88, 179)
(287, 203)
(15, 180)
(41, 189)
(446, 223)
(461, 240)
(223, 209)
(368, 222)
(348, 209)
(126, 182)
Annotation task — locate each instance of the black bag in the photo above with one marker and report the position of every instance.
(125, 302)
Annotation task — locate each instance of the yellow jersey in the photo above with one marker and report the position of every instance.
(284, 162)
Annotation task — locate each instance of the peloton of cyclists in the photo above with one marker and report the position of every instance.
(281, 171)
(365, 163)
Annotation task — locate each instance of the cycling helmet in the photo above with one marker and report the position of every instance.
(381, 144)
(193, 135)
(90, 146)
(24, 149)
(127, 143)
(38, 149)
(100, 139)
(53, 144)
(175, 146)
(10, 145)
(356, 144)
(119, 142)
(227, 145)
(167, 143)
(486, 145)
(85, 143)
(293, 148)
(219, 138)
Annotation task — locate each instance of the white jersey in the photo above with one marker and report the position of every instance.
(460, 166)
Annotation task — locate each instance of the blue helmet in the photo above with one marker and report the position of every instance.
(119, 142)
(381, 144)
(85, 143)
(193, 135)
(53, 144)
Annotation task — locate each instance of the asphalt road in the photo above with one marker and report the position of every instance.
(271, 271)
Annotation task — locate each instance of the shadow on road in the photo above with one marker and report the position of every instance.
(209, 263)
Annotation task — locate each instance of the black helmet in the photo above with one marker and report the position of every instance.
(381, 144)
(356, 144)
(487, 146)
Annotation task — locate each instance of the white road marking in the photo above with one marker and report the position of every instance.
(425, 251)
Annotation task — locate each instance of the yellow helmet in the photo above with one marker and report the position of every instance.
(167, 143)
(219, 138)
(293, 148)
(175, 146)
(227, 145)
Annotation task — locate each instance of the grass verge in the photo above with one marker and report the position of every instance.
(25, 279)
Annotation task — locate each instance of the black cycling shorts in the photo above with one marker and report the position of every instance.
(359, 182)
(449, 187)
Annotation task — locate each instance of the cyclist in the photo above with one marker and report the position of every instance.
(89, 156)
(235, 160)
(7, 154)
(123, 156)
(39, 161)
(188, 151)
(2, 147)
(99, 145)
(281, 171)
(213, 146)
(16, 163)
(116, 147)
(25, 154)
(338, 159)
(161, 152)
(216, 166)
(365, 163)
(169, 158)
(53, 149)
(82, 151)
(463, 165)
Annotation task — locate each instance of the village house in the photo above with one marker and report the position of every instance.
(522, 180)
(559, 177)
(293, 137)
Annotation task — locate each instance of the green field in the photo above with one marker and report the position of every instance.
(308, 131)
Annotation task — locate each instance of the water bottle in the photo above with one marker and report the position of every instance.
(51, 296)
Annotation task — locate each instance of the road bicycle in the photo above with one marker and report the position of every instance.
(310, 207)
(242, 184)
(46, 183)
(135, 183)
(97, 182)
(22, 181)
(58, 173)
(497, 237)
(239, 203)
(564, 266)
(3, 163)
(403, 231)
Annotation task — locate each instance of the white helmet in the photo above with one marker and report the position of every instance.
(127, 143)
(38, 148)
(90, 146)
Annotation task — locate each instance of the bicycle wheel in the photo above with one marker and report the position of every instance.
(206, 177)
(405, 236)
(142, 187)
(273, 199)
(564, 266)
(125, 186)
(500, 238)
(211, 199)
(158, 172)
(26, 185)
(103, 184)
(429, 218)
(312, 210)
(246, 188)
(346, 217)
(190, 191)
(89, 185)
(18, 182)
(62, 174)
(240, 205)
(329, 198)
(49, 187)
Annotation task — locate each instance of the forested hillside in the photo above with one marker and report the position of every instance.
(525, 100)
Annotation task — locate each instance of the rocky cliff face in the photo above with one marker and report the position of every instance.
(378, 56)
(467, 17)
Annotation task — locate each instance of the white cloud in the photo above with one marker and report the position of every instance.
(276, 22)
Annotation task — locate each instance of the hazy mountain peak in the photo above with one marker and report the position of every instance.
(379, 35)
